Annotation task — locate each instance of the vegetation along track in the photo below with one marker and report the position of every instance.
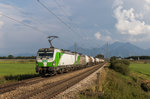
(52, 86)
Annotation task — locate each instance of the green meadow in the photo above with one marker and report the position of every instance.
(16, 69)
(143, 68)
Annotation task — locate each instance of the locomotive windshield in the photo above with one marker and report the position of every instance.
(45, 53)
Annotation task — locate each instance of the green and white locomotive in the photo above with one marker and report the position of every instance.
(52, 61)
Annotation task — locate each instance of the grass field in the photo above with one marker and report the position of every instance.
(16, 69)
(140, 68)
(17, 61)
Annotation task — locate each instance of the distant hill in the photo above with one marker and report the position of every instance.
(115, 49)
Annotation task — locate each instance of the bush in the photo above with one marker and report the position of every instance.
(121, 66)
(126, 62)
(21, 77)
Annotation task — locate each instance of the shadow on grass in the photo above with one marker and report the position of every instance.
(21, 77)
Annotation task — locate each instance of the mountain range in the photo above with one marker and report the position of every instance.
(119, 49)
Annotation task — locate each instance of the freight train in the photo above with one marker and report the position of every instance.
(53, 61)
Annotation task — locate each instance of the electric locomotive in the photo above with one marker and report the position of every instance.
(52, 60)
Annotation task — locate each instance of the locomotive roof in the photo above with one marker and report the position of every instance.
(52, 49)
(46, 49)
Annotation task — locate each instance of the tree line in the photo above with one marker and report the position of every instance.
(17, 57)
(138, 57)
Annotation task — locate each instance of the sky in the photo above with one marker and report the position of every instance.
(88, 23)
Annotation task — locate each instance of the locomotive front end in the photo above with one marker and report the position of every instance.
(44, 60)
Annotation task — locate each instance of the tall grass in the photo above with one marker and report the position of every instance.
(118, 86)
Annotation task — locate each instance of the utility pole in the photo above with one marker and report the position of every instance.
(75, 50)
(107, 56)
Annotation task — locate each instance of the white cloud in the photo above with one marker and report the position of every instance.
(129, 22)
(117, 3)
(108, 38)
(138, 38)
(97, 35)
(148, 1)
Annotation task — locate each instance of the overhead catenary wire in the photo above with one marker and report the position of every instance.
(72, 30)
(34, 28)
(55, 15)
(76, 26)
(71, 21)
(64, 41)
(29, 26)
(62, 8)
(68, 26)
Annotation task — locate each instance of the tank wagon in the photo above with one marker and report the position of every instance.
(53, 61)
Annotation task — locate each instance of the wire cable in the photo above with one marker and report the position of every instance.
(29, 26)
(76, 26)
(62, 8)
(34, 28)
(69, 27)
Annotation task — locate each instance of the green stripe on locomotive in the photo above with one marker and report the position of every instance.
(77, 61)
(41, 64)
(57, 58)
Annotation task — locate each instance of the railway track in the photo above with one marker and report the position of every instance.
(13, 86)
(51, 89)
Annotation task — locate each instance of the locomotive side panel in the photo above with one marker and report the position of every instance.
(69, 59)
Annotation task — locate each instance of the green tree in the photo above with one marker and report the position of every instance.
(10, 56)
(99, 56)
(113, 58)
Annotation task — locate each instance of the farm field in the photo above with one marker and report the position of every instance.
(16, 69)
(140, 68)
(16, 61)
